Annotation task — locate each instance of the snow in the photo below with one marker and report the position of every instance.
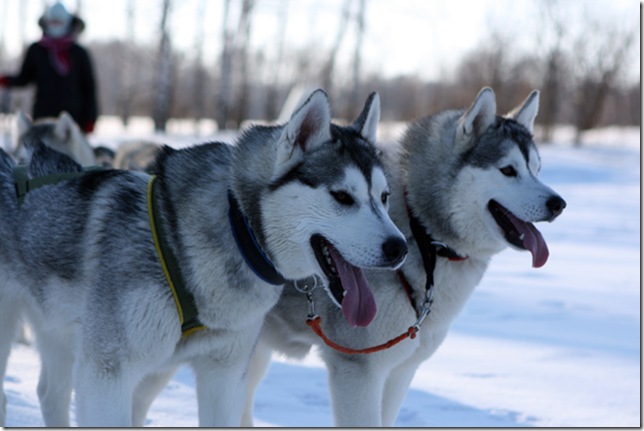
(557, 346)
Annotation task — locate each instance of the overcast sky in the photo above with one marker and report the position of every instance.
(421, 37)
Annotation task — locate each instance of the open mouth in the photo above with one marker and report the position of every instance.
(521, 234)
(346, 283)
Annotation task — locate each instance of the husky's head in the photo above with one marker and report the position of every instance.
(60, 133)
(490, 195)
(325, 211)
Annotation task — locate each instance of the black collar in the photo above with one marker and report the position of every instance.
(430, 248)
(248, 246)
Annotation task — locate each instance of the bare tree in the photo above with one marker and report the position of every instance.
(225, 77)
(129, 67)
(354, 92)
(242, 51)
(273, 102)
(200, 73)
(600, 62)
(552, 35)
(327, 71)
(163, 87)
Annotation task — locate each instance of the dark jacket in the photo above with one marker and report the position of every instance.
(74, 92)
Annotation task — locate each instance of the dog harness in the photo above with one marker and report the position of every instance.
(429, 250)
(24, 184)
(185, 302)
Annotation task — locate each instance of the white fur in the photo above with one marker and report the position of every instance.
(368, 390)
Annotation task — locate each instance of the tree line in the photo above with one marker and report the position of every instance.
(581, 77)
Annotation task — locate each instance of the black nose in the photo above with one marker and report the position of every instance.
(395, 250)
(556, 206)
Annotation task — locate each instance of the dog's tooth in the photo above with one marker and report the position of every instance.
(522, 236)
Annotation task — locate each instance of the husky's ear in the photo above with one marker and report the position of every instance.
(478, 117)
(65, 126)
(525, 113)
(24, 123)
(308, 128)
(367, 122)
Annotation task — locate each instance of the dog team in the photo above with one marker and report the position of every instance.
(302, 234)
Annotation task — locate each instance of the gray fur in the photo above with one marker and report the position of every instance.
(445, 170)
(103, 313)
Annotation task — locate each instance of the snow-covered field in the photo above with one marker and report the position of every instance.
(557, 346)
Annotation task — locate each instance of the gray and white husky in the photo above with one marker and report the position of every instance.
(464, 187)
(306, 200)
(60, 133)
(10, 303)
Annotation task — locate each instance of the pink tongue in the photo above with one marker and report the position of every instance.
(359, 305)
(532, 241)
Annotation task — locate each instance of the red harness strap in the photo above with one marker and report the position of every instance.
(314, 323)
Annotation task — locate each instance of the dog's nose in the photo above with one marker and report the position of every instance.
(395, 249)
(556, 206)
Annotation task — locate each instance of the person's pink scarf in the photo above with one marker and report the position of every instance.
(59, 52)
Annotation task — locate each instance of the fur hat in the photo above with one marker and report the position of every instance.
(59, 12)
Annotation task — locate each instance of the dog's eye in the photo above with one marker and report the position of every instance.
(509, 171)
(384, 197)
(343, 197)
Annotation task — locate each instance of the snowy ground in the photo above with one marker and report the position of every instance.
(557, 346)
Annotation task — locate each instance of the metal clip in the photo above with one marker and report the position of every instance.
(308, 289)
(425, 307)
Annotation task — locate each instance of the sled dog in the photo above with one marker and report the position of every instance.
(61, 133)
(130, 275)
(464, 187)
(9, 303)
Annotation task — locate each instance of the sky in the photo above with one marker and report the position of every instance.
(423, 37)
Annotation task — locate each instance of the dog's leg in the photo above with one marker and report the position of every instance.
(222, 381)
(55, 383)
(259, 362)
(103, 392)
(145, 393)
(395, 390)
(9, 318)
(356, 391)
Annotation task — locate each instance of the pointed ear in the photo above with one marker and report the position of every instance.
(308, 128)
(478, 117)
(24, 123)
(65, 125)
(525, 113)
(367, 122)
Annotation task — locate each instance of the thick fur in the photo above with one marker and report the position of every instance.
(445, 171)
(62, 134)
(136, 155)
(10, 303)
(103, 314)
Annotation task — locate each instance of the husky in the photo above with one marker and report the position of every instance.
(285, 205)
(464, 187)
(61, 133)
(9, 303)
(136, 155)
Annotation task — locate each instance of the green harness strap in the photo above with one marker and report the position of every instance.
(185, 302)
(24, 184)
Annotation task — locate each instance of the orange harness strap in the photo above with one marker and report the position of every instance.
(314, 323)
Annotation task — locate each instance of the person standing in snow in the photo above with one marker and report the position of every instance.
(61, 70)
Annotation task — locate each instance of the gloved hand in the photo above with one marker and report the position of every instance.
(4, 81)
(88, 127)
